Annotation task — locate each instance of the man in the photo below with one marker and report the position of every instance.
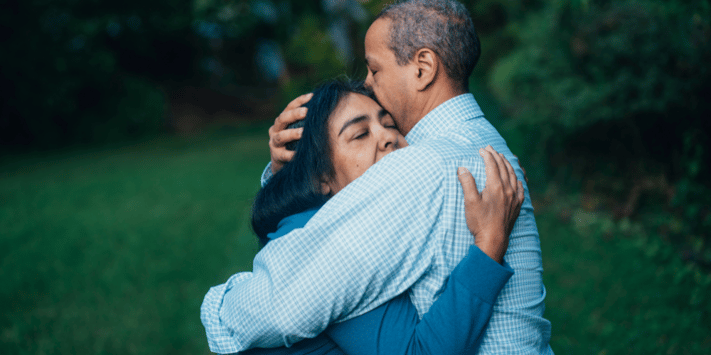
(398, 227)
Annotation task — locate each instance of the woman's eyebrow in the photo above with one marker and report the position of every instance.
(352, 121)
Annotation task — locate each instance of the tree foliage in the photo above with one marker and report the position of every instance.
(83, 71)
(613, 94)
(78, 71)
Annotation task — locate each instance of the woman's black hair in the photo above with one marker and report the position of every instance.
(297, 186)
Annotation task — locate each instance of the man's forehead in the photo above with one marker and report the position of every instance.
(377, 32)
(375, 39)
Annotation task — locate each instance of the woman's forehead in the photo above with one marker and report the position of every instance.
(355, 104)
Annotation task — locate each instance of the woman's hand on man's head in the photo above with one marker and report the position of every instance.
(279, 136)
(492, 213)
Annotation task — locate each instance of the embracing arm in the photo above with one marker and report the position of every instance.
(454, 324)
(356, 253)
(342, 264)
(456, 321)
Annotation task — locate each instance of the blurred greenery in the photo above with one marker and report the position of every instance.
(132, 135)
(111, 251)
(606, 97)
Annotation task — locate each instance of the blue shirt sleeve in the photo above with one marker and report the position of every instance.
(320, 345)
(454, 324)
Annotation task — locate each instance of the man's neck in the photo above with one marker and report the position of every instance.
(425, 102)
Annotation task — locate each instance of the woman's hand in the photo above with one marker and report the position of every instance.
(492, 213)
(279, 136)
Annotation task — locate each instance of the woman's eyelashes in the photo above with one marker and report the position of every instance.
(361, 134)
(390, 124)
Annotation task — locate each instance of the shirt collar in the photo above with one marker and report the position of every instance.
(445, 117)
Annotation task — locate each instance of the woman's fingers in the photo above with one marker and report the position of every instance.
(513, 180)
(503, 172)
(491, 167)
(525, 176)
(510, 186)
(471, 194)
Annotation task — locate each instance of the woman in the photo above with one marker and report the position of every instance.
(344, 133)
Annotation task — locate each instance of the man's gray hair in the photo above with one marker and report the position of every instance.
(444, 26)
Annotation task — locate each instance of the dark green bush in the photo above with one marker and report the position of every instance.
(613, 95)
(576, 65)
(80, 72)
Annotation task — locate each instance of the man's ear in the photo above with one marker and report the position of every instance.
(428, 66)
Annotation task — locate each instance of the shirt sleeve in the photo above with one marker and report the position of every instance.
(455, 323)
(266, 174)
(368, 244)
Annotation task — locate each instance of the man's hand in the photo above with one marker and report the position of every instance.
(492, 213)
(279, 136)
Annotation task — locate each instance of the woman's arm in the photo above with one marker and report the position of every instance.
(453, 325)
(456, 322)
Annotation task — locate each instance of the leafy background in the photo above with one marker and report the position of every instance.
(132, 135)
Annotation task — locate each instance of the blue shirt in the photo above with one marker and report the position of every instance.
(454, 324)
(398, 227)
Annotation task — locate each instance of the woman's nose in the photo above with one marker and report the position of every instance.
(388, 139)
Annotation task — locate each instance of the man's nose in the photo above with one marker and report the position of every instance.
(368, 81)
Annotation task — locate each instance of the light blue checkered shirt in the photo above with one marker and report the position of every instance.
(398, 227)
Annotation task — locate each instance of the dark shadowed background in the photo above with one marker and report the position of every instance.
(133, 135)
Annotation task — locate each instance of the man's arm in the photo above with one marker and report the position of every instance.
(367, 245)
(471, 291)
(454, 324)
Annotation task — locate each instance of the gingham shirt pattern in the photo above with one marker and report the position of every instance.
(398, 227)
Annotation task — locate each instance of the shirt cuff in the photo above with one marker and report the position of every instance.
(220, 338)
(481, 275)
(267, 174)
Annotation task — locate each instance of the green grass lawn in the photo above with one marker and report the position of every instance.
(111, 251)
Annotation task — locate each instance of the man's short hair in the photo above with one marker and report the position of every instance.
(444, 26)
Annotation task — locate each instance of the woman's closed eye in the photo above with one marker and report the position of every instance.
(361, 134)
(389, 123)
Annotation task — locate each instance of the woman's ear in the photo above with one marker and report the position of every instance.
(428, 67)
(325, 188)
